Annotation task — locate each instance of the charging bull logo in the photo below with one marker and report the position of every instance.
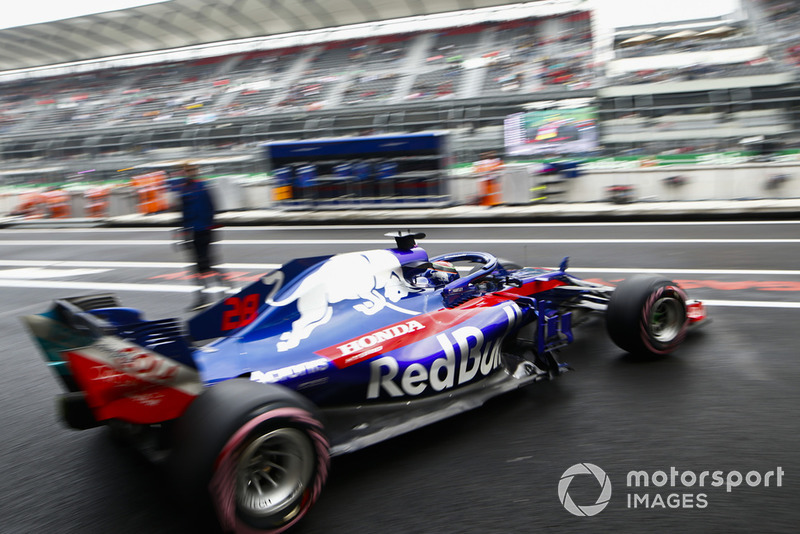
(353, 276)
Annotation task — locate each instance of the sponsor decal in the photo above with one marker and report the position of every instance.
(135, 361)
(125, 381)
(394, 336)
(372, 278)
(370, 340)
(468, 355)
(293, 371)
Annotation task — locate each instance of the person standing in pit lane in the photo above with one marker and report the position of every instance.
(198, 211)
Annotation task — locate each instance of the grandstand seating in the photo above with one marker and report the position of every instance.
(696, 72)
(466, 79)
(658, 48)
(712, 50)
(706, 124)
(370, 88)
(364, 71)
(381, 53)
(436, 84)
(782, 18)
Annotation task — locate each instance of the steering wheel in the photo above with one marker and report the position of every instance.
(456, 286)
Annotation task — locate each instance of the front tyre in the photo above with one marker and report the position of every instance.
(646, 315)
(256, 453)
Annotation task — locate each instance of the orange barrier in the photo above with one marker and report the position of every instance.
(97, 201)
(282, 192)
(490, 193)
(57, 203)
(152, 191)
(31, 206)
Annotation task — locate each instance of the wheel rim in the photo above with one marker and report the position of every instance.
(273, 472)
(666, 319)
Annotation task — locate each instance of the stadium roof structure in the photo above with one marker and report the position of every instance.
(177, 24)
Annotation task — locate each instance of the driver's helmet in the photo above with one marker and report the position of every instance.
(442, 272)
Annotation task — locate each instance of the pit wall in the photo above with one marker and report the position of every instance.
(733, 182)
(521, 184)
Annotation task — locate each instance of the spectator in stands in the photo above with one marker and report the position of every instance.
(197, 208)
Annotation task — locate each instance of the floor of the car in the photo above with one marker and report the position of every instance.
(351, 428)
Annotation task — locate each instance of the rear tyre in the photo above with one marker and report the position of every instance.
(254, 453)
(647, 316)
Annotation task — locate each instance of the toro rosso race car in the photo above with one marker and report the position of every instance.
(247, 402)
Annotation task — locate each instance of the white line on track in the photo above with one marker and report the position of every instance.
(128, 264)
(34, 273)
(248, 266)
(94, 230)
(89, 242)
(97, 286)
(97, 264)
(384, 243)
(752, 304)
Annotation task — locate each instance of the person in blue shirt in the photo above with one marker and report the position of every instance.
(197, 208)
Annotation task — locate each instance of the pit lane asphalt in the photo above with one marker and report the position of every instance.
(727, 400)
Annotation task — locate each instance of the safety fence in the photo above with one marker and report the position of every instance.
(486, 186)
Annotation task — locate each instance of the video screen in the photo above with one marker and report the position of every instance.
(554, 131)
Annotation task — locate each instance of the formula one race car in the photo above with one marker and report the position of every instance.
(247, 401)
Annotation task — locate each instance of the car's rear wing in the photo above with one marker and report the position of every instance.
(114, 364)
(66, 326)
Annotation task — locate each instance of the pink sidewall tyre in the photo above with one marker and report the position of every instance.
(255, 454)
(646, 316)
